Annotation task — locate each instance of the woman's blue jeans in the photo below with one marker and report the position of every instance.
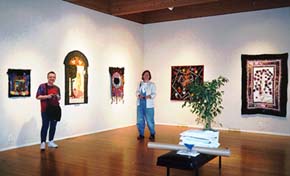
(145, 114)
(46, 123)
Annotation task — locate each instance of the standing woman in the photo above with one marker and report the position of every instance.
(146, 93)
(48, 93)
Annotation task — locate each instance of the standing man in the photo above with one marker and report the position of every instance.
(48, 93)
(146, 93)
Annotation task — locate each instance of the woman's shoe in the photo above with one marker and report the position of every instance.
(51, 144)
(140, 137)
(42, 146)
(152, 137)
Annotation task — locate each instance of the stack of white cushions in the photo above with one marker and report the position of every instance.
(200, 138)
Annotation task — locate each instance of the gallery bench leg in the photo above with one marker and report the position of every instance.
(220, 162)
(167, 171)
(196, 172)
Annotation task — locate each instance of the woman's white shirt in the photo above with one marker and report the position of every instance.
(150, 89)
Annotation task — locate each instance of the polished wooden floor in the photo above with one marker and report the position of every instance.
(118, 153)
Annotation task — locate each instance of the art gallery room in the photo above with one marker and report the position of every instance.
(145, 88)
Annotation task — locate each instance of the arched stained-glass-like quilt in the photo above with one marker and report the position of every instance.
(76, 78)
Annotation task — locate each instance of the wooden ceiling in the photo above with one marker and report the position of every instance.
(152, 11)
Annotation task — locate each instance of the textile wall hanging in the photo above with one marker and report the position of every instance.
(264, 84)
(181, 76)
(18, 83)
(76, 78)
(117, 84)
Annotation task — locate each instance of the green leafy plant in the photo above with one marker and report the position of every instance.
(206, 100)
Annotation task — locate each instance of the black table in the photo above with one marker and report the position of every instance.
(173, 160)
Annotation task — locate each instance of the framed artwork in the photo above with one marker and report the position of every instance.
(264, 84)
(117, 84)
(181, 76)
(76, 78)
(18, 83)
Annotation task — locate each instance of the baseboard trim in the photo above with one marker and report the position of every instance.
(227, 129)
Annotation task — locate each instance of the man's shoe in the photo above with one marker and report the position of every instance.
(51, 144)
(152, 137)
(42, 146)
(140, 137)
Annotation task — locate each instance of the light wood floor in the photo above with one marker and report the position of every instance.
(118, 153)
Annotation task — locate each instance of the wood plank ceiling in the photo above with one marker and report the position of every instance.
(152, 11)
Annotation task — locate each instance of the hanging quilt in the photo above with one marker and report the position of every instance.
(18, 83)
(264, 84)
(117, 84)
(76, 78)
(181, 76)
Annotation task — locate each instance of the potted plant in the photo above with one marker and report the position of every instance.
(205, 100)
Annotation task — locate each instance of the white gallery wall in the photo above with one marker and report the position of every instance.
(217, 43)
(37, 35)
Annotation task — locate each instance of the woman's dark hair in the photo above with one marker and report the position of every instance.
(146, 71)
(51, 72)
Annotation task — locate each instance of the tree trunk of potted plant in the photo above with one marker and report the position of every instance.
(207, 124)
